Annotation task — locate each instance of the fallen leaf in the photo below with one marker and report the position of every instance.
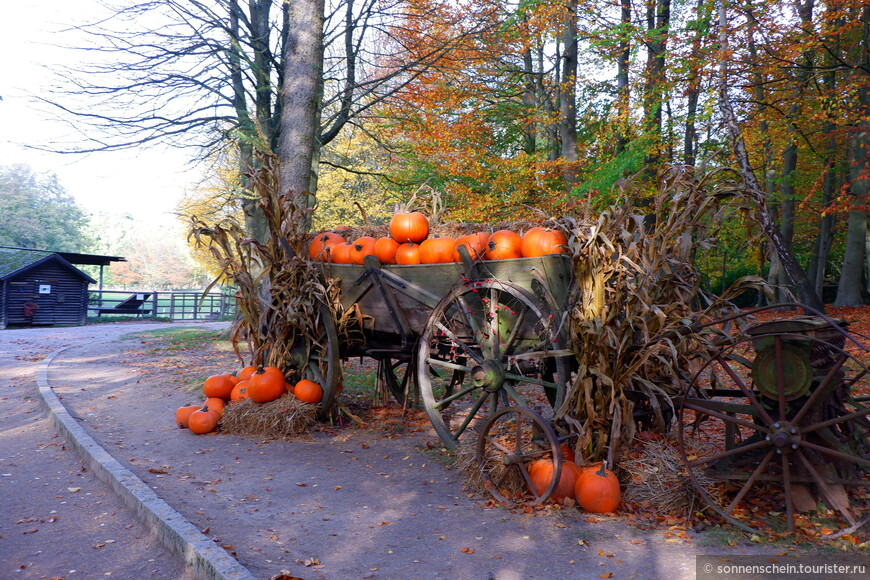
(73, 489)
(467, 550)
(608, 575)
(156, 470)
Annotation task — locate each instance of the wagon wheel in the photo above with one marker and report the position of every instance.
(510, 441)
(488, 344)
(317, 357)
(767, 418)
(400, 377)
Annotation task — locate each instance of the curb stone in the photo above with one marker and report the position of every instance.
(200, 553)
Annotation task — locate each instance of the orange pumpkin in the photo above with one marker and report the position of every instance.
(409, 227)
(597, 490)
(308, 391)
(182, 415)
(408, 254)
(541, 473)
(220, 386)
(437, 250)
(240, 392)
(322, 244)
(267, 384)
(543, 241)
(362, 247)
(567, 453)
(504, 245)
(203, 421)
(476, 244)
(216, 404)
(246, 373)
(341, 253)
(385, 250)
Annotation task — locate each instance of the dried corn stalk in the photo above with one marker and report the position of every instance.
(636, 306)
(280, 292)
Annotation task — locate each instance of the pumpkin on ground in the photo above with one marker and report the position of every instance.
(322, 245)
(220, 386)
(408, 254)
(267, 384)
(203, 421)
(504, 245)
(597, 489)
(216, 404)
(182, 415)
(543, 241)
(437, 250)
(308, 391)
(409, 227)
(541, 473)
(246, 373)
(385, 250)
(240, 392)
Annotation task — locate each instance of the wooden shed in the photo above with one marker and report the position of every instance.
(41, 287)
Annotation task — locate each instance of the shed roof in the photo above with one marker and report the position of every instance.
(16, 260)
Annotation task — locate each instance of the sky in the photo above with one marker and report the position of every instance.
(145, 183)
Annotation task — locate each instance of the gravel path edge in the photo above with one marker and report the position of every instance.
(207, 560)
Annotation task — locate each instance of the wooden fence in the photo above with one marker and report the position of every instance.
(176, 306)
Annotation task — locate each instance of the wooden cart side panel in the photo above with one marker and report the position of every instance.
(417, 289)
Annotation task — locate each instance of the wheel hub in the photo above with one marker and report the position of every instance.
(489, 375)
(784, 436)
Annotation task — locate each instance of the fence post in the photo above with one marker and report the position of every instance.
(154, 303)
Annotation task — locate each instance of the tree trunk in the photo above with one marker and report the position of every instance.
(658, 18)
(850, 290)
(300, 97)
(530, 101)
(568, 96)
(622, 86)
(796, 276)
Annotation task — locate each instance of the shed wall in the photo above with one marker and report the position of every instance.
(63, 299)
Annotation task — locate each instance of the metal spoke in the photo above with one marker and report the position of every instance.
(826, 491)
(749, 482)
(446, 364)
(762, 412)
(515, 331)
(724, 416)
(820, 390)
(729, 453)
(459, 342)
(786, 482)
(835, 453)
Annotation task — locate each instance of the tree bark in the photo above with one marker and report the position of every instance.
(851, 288)
(568, 96)
(622, 67)
(300, 97)
(658, 18)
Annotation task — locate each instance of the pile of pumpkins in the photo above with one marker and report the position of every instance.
(594, 487)
(257, 383)
(409, 243)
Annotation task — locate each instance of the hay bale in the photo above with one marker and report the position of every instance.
(657, 479)
(512, 483)
(284, 417)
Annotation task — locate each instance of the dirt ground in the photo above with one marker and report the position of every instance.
(346, 502)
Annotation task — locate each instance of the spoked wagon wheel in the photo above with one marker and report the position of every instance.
(777, 417)
(488, 344)
(317, 357)
(511, 440)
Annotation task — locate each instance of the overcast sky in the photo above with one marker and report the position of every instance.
(145, 183)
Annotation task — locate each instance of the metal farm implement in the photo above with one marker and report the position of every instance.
(780, 409)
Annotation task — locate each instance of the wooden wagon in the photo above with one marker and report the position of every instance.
(487, 346)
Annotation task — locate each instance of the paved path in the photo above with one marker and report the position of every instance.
(342, 504)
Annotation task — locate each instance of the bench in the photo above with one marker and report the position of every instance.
(131, 305)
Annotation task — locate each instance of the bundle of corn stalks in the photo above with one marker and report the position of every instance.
(284, 417)
(280, 292)
(637, 305)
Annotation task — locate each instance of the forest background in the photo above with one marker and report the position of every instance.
(508, 110)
